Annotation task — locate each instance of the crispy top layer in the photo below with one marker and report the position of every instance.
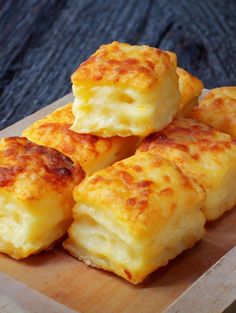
(138, 67)
(141, 192)
(228, 92)
(61, 115)
(54, 131)
(189, 136)
(28, 169)
(218, 109)
(190, 86)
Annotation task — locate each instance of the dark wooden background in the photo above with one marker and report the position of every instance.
(42, 42)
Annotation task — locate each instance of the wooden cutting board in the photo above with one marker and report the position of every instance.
(88, 290)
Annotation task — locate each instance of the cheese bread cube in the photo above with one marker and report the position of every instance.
(135, 216)
(190, 88)
(91, 152)
(36, 198)
(125, 90)
(204, 154)
(218, 109)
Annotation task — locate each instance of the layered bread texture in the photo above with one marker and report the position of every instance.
(204, 154)
(36, 198)
(135, 216)
(125, 90)
(218, 109)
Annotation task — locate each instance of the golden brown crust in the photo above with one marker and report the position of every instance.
(119, 63)
(63, 115)
(182, 133)
(73, 140)
(218, 109)
(84, 149)
(173, 58)
(204, 154)
(190, 86)
(132, 188)
(22, 161)
(57, 124)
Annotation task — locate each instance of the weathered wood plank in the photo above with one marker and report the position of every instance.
(42, 42)
(17, 297)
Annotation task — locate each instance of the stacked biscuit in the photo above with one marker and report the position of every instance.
(153, 175)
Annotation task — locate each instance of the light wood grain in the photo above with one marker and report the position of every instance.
(18, 298)
(213, 292)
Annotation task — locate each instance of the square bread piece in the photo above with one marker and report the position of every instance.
(36, 198)
(204, 154)
(125, 90)
(218, 109)
(93, 153)
(190, 88)
(135, 216)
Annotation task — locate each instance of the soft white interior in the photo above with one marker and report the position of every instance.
(102, 242)
(114, 110)
(25, 230)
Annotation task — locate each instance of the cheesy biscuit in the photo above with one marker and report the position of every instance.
(134, 216)
(36, 199)
(125, 90)
(218, 109)
(204, 154)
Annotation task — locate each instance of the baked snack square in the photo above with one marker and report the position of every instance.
(36, 198)
(91, 152)
(204, 154)
(125, 90)
(134, 216)
(218, 109)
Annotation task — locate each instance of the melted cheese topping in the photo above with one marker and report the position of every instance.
(29, 170)
(132, 187)
(36, 199)
(129, 217)
(91, 152)
(218, 109)
(125, 90)
(121, 64)
(203, 154)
